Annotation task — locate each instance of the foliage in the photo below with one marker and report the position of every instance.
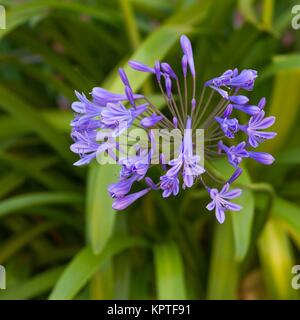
(59, 236)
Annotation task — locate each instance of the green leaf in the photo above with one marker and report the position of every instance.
(17, 242)
(289, 157)
(100, 215)
(10, 182)
(130, 23)
(102, 283)
(85, 264)
(280, 63)
(122, 276)
(242, 221)
(32, 287)
(288, 213)
(76, 78)
(223, 269)
(24, 12)
(267, 14)
(277, 261)
(170, 277)
(285, 101)
(33, 168)
(247, 10)
(35, 199)
(59, 119)
(122, 265)
(18, 108)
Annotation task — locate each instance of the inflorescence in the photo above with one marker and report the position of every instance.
(186, 112)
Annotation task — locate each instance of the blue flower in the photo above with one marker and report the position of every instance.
(245, 80)
(262, 157)
(229, 126)
(254, 128)
(220, 201)
(186, 161)
(232, 79)
(116, 116)
(188, 53)
(122, 203)
(136, 65)
(169, 185)
(251, 109)
(122, 187)
(100, 122)
(235, 154)
(151, 121)
(87, 147)
(102, 97)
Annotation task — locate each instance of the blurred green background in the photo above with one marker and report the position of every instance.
(59, 237)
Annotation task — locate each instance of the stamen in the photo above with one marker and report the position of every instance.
(204, 109)
(200, 102)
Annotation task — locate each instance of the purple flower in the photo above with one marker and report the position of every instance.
(86, 146)
(129, 95)
(262, 103)
(235, 175)
(101, 123)
(116, 116)
(169, 185)
(184, 65)
(235, 154)
(251, 109)
(222, 92)
(151, 121)
(232, 79)
(222, 80)
(244, 80)
(262, 157)
(84, 124)
(150, 183)
(136, 165)
(157, 71)
(86, 107)
(122, 187)
(228, 126)
(168, 70)
(175, 122)
(238, 99)
(254, 127)
(186, 160)
(192, 169)
(188, 52)
(124, 202)
(169, 87)
(220, 201)
(228, 111)
(102, 97)
(140, 66)
(123, 77)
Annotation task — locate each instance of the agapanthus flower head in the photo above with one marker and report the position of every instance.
(101, 123)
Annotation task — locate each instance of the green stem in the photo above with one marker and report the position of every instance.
(133, 32)
(130, 24)
(267, 14)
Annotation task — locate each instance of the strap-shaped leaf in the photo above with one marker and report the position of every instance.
(170, 278)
